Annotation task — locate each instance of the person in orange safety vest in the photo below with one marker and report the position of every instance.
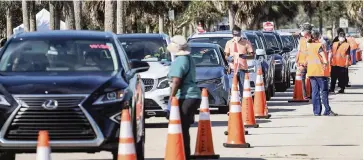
(318, 73)
(339, 63)
(302, 53)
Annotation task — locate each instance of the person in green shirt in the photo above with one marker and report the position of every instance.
(182, 75)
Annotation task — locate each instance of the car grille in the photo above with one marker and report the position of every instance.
(151, 105)
(148, 84)
(66, 122)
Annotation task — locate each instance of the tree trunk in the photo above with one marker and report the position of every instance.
(184, 31)
(109, 16)
(231, 16)
(25, 11)
(54, 19)
(120, 17)
(134, 27)
(57, 16)
(77, 7)
(147, 28)
(161, 23)
(190, 29)
(69, 14)
(32, 18)
(9, 21)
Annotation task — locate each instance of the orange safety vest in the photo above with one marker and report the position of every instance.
(339, 54)
(352, 43)
(302, 51)
(315, 62)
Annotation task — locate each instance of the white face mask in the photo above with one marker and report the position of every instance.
(341, 39)
(302, 33)
(237, 38)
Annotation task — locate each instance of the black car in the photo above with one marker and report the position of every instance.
(72, 84)
(279, 53)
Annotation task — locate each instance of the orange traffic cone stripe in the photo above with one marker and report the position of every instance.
(175, 146)
(298, 89)
(260, 103)
(43, 149)
(247, 105)
(126, 149)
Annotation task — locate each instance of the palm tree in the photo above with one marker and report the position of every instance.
(69, 14)
(109, 16)
(9, 19)
(25, 12)
(78, 14)
(54, 19)
(32, 17)
(120, 9)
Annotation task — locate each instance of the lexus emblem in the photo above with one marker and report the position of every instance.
(50, 104)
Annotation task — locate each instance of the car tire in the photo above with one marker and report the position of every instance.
(268, 94)
(7, 156)
(273, 89)
(140, 146)
(225, 109)
(281, 87)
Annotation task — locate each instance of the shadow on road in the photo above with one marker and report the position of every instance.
(282, 103)
(280, 110)
(156, 125)
(356, 87)
(221, 158)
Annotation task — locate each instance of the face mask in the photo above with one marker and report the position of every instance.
(341, 39)
(302, 33)
(237, 38)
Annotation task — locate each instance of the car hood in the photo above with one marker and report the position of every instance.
(293, 52)
(156, 70)
(56, 83)
(205, 73)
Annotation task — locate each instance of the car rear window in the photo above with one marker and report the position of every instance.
(215, 40)
(205, 56)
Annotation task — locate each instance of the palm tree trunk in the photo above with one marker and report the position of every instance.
(25, 11)
(69, 14)
(231, 16)
(9, 21)
(184, 31)
(190, 29)
(120, 17)
(32, 18)
(77, 7)
(161, 23)
(147, 28)
(54, 19)
(109, 16)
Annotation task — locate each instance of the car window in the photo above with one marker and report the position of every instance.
(288, 41)
(216, 40)
(223, 56)
(254, 41)
(51, 54)
(124, 57)
(205, 56)
(271, 41)
(145, 49)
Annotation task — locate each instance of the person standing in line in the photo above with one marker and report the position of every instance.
(302, 54)
(318, 73)
(182, 75)
(236, 51)
(336, 39)
(339, 63)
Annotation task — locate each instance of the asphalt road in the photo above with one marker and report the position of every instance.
(292, 132)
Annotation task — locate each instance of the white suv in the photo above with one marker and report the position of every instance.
(152, 49)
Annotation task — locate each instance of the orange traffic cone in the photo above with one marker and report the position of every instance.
(260, 103)
(308, 87)
(235, 97)
(298, 89)
(236, 133)
(358, 55)
(247, 105)
(175, 146)
(204, 144)
(126, 138)
(43, 149)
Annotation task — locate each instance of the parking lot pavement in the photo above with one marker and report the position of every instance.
(291, 133)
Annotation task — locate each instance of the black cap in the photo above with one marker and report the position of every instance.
(306, 27)
(315, 34)
(236, 31)
(342, 34)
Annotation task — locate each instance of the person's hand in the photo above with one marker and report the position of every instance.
(301, 68)
(325, 66)
(230, 59)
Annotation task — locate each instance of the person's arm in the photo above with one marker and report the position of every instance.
(249, 48)
(347, 57)
(227, 50)
(176, 72)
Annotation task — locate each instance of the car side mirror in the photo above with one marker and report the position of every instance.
(260, 53)
(269, 51)
(286, 49)
(139, 66)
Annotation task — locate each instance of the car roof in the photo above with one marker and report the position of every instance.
(226, 33)
(66, 34)
(285, 33)
(199, 44)
(142, 35)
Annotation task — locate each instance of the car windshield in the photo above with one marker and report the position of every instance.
(145, 49)
(270, 40)
(288, 41)
(205, 56)
(254, 41)
(216, 40)
(52, 54)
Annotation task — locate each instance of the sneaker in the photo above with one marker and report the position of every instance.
(317, 115)
(331, 113)
(341, 91)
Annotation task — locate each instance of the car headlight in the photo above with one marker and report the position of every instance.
(251, 68)
(162, 83)
(277, 61)
(3, 101)
(110, 97)
(211, 81)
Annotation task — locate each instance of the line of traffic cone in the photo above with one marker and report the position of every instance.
(236, 132)
(43, 148)
(247, 105)
(175, 146)
(298, 89)
(204, 144)
(234, 98)
(126, 149)
(260, 103)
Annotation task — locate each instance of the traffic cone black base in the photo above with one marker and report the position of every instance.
(296, 101)
(246, 132)
(252, 126)
(245, 145)
(216, 156)
(263, 117)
